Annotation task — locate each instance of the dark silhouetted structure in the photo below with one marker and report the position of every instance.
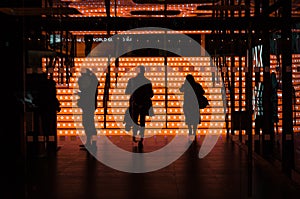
(45, 106)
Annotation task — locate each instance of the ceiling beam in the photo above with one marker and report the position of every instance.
(173, 1)
(39, 11)
(155, 12)
(223, 7)
(174, 23)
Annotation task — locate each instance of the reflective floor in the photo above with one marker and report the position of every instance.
(76, 174)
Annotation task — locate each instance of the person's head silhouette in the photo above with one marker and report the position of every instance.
(86, 71)
(141, 69)
(190, 79)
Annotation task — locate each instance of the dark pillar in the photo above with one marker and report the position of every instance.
(249, 108)
(13, 87)
(88, 40)
(249, 112)
(287, 92)
(232, 91)
(268, 129)
(258, 116)
(13, 128)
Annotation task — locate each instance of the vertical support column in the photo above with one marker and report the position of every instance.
(75, 46)
(287, 87)
(232, 91)
(166, 86)
(106, 91)
(249, 94)
(226, 86)
(166, 78)
(268, 130)
(240, 97)
(256, 52)
(258, 116)
(202, 43)
(232, 77)
(21, 77)
(14, 127)
(107, 11)
(67, 58)
(61, 67)
(249, 111)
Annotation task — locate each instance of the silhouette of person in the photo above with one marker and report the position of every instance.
(88, 86)
(47, 104)
(140, 104)
(191, 111)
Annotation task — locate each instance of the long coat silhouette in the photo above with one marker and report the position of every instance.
(88, 86)
(140, 104)
(191, 89)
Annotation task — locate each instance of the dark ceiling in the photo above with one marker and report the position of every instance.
(96, 16)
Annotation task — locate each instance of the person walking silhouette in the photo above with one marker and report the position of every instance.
(88, 86)
(191, 111)
(140, 104)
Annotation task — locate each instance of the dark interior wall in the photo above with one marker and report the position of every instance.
(21, 3)
(12, 81)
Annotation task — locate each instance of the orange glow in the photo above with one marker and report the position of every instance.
(69, 118)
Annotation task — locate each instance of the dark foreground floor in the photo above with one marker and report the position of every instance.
(74, 174)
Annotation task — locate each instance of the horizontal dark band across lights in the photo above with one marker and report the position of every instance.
(39, 11)
(173, 1)
(222, 7)
(155, 12)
